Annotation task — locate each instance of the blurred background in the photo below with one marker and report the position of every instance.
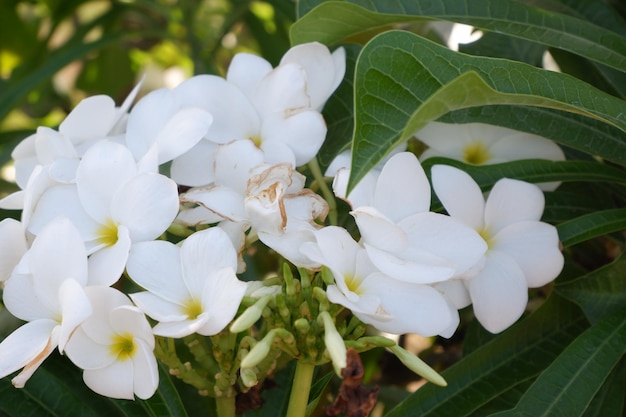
(54, 53)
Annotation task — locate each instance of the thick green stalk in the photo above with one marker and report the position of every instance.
(300, 388)
(225, 406)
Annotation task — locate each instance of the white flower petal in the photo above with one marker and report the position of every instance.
(234, 163)
(289, 243)
(155, 266)
(92, 117)
(224, 202)
(147, 118)
(12, 246)
(402, 188)
(58, 253)
(145, 369)
(535, 248)
(221, 297)
(128, 319)
(24, 345)
(147, 205)
(323, 71)
(101, 172)
(246, 71)
(62, 201)
(335, 249)
(445, 237)
(499, 293)
(514, 145)
(107, 265)
(455, 291)
(159, 308)
(85, 353)
(195, 167)
(304, 132)
(180, 328)
(423, 268)
(76, 307)
(103, 300)
(197, 215)
(21, 299)
(202, 254)
(181, 132)
(459, 194)
(362, 194)
(113, 381)
(282, 91)
(234, 116)
(512, 201)
(377, 230)
(415, 308)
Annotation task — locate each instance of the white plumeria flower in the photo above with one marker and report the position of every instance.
(162, 127)
(403, 238)
(47, 290)
(113, 206)
(324, 71)
(93, 119)
(388, 304)
(523, 252)
(115, 347)
(282, 212)
(13, 246)
(482, 144)
(190, 289)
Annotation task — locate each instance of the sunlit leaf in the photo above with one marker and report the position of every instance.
(403, 81)
(332, 21)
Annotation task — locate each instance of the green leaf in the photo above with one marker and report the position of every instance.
(535, 171)
(609, 401)
(591, 225)
(568, 385)
(332, 21)
(497, 45)
(403, 81)
(517, 355)
(599, 293)
(317, 390)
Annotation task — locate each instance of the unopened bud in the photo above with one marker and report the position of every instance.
(334, 343)
(418, 366)
(259, 351)
(248, 377)
(250, 316)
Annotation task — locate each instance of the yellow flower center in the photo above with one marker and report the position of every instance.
(353, 284)
(192, 308)
(485, 233)
(256, 140)
(107, 233)
(476, 153)
(122, 347)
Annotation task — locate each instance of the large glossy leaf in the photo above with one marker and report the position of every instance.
(592, 225)
(600, 292)
(57, 389)
(569, 384)
(517, 355)
(333, 20)
(403, 81)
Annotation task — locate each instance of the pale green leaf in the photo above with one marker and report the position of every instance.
(332, 21)
(591, 225)
(403, 81)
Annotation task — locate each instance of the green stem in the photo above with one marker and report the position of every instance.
(300, 388)
(225, 406)
(328, 195)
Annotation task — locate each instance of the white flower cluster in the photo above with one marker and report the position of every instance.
(95, 201)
